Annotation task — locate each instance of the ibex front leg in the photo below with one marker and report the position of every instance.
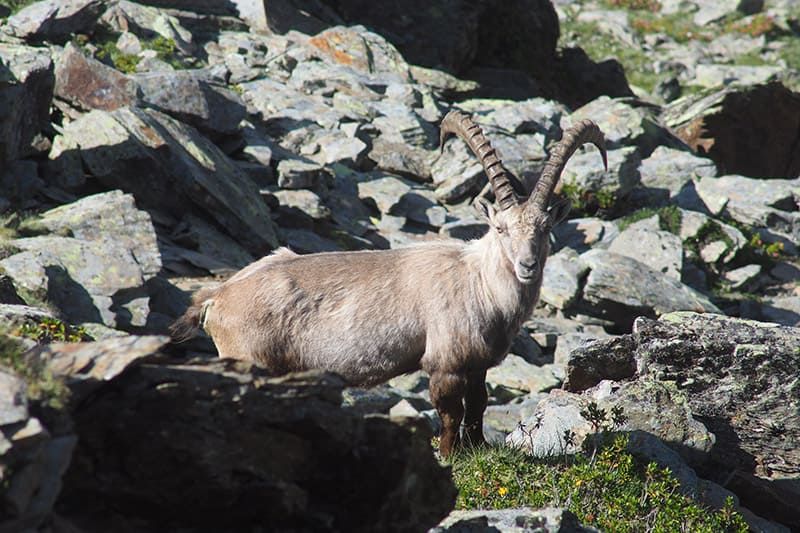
(475, 401)
(447, 395)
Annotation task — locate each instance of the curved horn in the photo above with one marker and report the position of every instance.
(461, 125)
(577, 135)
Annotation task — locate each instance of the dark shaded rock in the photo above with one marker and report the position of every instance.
(8, 294)
(740, 379)
(581, 80)
(218, 445)
(601, 359)
(26, 89)
(191, 97)
(731, 127)
(89, 84)
(19, 180)
(184, 171)
(54, 20)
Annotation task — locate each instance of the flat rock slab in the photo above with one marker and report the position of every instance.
(167, 165)
(90, 84)
(54, 20)
(660, 250)
(620, 288)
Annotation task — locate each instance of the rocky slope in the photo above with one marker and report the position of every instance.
(149, 148)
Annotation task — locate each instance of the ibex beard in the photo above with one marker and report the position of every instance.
(450, 308)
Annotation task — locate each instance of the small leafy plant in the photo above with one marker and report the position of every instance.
(52, 330)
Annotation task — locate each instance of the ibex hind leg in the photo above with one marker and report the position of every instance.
(447, 395)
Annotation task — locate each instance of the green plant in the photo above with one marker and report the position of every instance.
(108, 51)
(635, 5)
(754, 26)
(16, 5)
(669, 218)
(52, 330)
(614, 491)
(42, 386)
(584, 201)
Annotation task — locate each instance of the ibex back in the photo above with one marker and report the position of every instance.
(448, 307)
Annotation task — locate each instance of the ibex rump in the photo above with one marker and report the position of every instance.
(448, 307)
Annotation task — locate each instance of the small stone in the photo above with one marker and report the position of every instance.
(740, 277)
(297, 174)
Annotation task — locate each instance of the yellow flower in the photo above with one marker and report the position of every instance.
(502, 491)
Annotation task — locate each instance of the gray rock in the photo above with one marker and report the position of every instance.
(283, 107)
(305, 201)
(542, 433)
(783, 310)
(402, 159)
(337, 147)
(111, 216)
(197, 234)
(519, 375)
(580, 234)
(621, 123)
(671, 172)
(305, 241)
(655, 450)
(512, 521)
(13, 399)
(771, 203)
(401, 125)
(740, 277)
(396, 196)
(145, 21)
(89, 84)
(26, 90)
(620, 288)
(191, 97)
(186, 170)
(586, 174)
(719, 362)
(299, 174)
(88, 281)
(714, 76)
(593, 359)
(54, 20)
(457, 173)
(535, 115)
(562, 278)
(660, 250)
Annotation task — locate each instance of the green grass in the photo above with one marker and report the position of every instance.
(52, 330)
(669, 218)
(108, 52)
(612, 490)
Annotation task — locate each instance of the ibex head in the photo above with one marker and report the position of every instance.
(523, 223)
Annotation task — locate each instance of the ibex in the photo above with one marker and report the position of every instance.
(450, 308)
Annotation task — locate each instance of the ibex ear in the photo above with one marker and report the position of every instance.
(559, 211)
(485, 208)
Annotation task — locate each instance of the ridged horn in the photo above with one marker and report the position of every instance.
(457, 123)
(576, 136)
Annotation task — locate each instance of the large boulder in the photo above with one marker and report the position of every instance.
(741, 382)
(218, 445)
(54, 20)
(732, 128)
(26, 89)
(89, 84)
(169, 166)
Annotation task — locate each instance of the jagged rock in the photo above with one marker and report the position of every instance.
(145, 22)
(54, 20)
(190, 96)
(306, 242)
(563, 274)
(512, 520)
(14, 314)
(740, 383)
(307, 203)
(712, 249)
(585, 173)
(111, 216)
(89, 84)
(87, 366)
(26, 89)
(715, 76)
(88, 281)
(535, 115)
(598, 360)
(711, 124)
(306, 462)
(396, 196)
(622, 124)
(713, 11)
(782, 310)
(740, 277)
(299, 174)
(457, 174)
(669, 172)
(773, 204)
(197, 234)
(650, 406)
(185, 170)
(361, 50)
(282, 107)
(620, 288)
(660, 250)
(517, 374)
(402, 159)
(580, 234)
